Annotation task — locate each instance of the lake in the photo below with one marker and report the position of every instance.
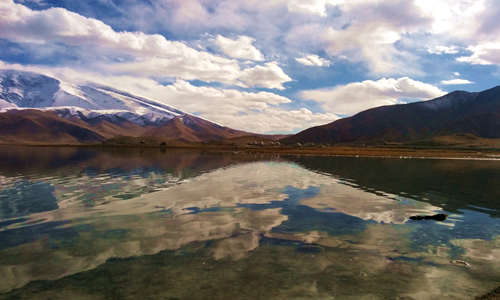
(83, 223)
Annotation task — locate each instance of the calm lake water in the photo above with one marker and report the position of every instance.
(150, 224)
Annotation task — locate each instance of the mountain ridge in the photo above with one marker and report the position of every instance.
(458, 112)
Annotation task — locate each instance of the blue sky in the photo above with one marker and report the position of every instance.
(263, 66)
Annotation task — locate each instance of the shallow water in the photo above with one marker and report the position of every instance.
(150, 224)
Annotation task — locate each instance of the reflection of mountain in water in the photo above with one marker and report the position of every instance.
(37, 179)
(65, 160)
(134, 203)
(451, 184)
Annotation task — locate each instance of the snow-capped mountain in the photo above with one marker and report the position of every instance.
(38, 109)
(19, 89)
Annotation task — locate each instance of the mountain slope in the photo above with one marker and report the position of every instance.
(455, 113)
(193, 129)
(35, 108)
(40, 127)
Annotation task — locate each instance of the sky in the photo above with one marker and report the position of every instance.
(274, 66)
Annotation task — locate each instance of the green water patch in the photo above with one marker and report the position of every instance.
(26, 197)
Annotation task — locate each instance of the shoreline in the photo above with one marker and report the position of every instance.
(333, 151)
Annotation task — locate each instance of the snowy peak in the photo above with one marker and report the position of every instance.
(21, 90)
(114, 116)
(26, 89)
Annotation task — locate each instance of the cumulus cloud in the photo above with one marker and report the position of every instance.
(269, 75)
(240, 48)
(358, 96)
(142, 54)
(483, 54)
(363, 31)
(370, 32)
(469, 22)
(313, 60)
(257, 112)
(456, 81)
(366, 31)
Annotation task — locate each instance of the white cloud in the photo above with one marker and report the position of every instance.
(368, 32)
(443, 50)
(142, 54)
(455, 18)
(364, 31)
(456, 74)
(269, 75)
(456, 81)
(358, 96)
(468, 22)
(483, 54)
(240, 48)
(313, 60)
(255, 112)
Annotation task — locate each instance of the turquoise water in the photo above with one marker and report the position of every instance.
(117, 224)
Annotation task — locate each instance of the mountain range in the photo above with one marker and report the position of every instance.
(43, 110)
(38, 109)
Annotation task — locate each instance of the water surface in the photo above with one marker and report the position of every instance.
(84, 223)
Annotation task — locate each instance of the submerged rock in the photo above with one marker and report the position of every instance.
(438, 217)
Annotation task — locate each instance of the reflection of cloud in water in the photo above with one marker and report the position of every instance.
(148, 235)
(163, 220)
(481, 249)
(365, 205)
(254, 183)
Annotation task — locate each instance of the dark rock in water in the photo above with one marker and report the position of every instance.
(438, 217)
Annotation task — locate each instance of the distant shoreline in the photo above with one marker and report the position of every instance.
(342, 151)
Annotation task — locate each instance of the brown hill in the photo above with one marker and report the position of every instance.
(40, 127)
(189, 128)
(32, 126)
